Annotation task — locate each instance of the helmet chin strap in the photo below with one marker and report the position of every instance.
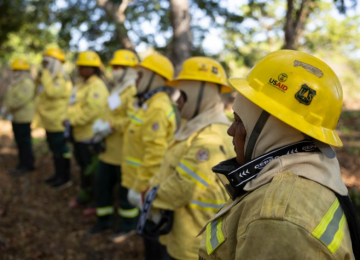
(324, 148)
(199, 98)
(149, 83)
(259, 126)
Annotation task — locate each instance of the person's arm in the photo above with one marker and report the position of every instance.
(89, 110)
(279, 239)
(121, 119)
(56, 87)
(21, 95)
(154, 142)
(192, 176)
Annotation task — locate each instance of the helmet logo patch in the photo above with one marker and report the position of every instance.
(309, 68)
(203, 68)
(215, 70)
(283, 77)
(278, 85)
(305, 95)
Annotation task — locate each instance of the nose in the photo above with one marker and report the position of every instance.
(230, 130)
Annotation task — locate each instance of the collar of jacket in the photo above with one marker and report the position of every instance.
(211, 116)
(142, 98)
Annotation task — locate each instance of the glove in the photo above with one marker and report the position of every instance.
(101, 129)
(135, 199)
(155, 216)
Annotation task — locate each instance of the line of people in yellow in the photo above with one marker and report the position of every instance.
(162, 156)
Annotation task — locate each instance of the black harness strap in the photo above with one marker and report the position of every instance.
(198, 101)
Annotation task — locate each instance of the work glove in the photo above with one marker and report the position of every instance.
(135, 199)
(101, 129)
(155, 216)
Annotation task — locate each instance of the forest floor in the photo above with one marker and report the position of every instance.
(36, 222)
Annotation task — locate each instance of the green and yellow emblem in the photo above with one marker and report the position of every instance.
(305, 95)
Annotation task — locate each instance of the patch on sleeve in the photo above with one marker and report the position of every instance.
(96, 95)
(202, 155)
(155, 126)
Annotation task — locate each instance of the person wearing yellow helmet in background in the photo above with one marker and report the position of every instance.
(187, 186)
(150, 130)
(53, 92)
(19, 105)
(88, 104)
(288, 198)
(111, 128)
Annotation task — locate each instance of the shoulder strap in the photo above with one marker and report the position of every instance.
(353, 223)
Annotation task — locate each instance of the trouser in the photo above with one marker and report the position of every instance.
(107, 177)
(155, 251)
(58, 147)
(22, 135)
(86, 157)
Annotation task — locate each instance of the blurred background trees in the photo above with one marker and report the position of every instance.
(236, 32)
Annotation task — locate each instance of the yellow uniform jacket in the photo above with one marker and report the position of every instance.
(52, 99)
(290, 217)
(89, 104)
(189, 187)
(19, 101)
(146, 138)
(119, 120)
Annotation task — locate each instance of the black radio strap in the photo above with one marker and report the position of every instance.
(238, 175)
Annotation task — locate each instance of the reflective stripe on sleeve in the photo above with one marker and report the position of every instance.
(104, 211)
(133, 162)
(128, 213)
(197, 177)
(171, 113)
(330, 230)
(135, 119)
(214, 235)
(207, 205)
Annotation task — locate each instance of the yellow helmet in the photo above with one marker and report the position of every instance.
(55, 53)
(299, 89)
(89, 59)
(124, 58)
(204, 69)
(159, 64)
(20, 64)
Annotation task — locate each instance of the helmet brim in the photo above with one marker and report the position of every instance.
(284, 114)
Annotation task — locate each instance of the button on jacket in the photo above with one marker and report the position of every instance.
(89, 105)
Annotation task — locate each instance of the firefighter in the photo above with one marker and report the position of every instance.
(188, 187)
(111, 127)
(53, 92)
(19, 106)
(288, 198)
(150, 130)
(88, 104)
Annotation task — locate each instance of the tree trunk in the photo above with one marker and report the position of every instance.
(182, 38)
(117, 14)
(294, 26)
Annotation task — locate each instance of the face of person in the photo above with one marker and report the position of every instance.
(238, 133)
(45, 64)
(86, 72)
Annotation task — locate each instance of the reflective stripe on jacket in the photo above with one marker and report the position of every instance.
(289, 218)
(89, 105)
(119, 120)
(190, 188)
(146, 138)
(52, 99)
(19, 101)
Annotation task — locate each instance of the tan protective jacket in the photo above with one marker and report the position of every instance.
(290, 217)
(52, 99)
(19, 100)
(119, 121)
(189, 188)
(89, 105)
(146, 138)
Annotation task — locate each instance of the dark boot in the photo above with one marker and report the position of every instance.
(53, 177)
(103, 223)
(63, 173)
